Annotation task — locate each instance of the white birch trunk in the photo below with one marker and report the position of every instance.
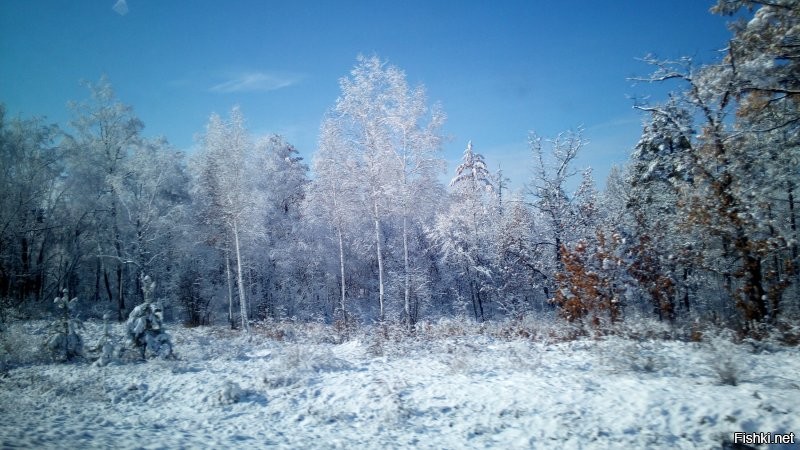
(407, 296)
(230, 286)
(341, 270)
(242, 299)
(380, 259)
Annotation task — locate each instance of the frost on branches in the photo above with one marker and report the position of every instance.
(145, 328)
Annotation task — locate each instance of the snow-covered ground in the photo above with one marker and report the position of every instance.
(227, 391)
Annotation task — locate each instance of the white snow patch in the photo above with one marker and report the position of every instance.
(226, 391)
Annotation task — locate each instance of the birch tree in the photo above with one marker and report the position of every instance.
(223, 177)
(332, 198)
(396, 139)
(416, 145)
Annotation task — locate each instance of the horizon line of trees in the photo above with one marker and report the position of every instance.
(700, 224)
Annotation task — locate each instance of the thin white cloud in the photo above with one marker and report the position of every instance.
(121, 7)
(255, 82)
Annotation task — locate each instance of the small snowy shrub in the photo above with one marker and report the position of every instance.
(644, 329)
(230, 393)
(456, 360)
(638, 356)
(375, 347)
(392, 403)
(723, 358)
(106, 346)
(344, 328)
(5, 312)
(20, 344)
(190, 296)
(301, 362)
(17, 347)
(786, 332)
(64, 342)
(145, 328)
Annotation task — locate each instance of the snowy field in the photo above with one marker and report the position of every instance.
(446, 392)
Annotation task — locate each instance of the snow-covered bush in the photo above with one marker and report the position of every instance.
(786, 332)
(145, 326)
(624, 354)
(192, 299)
(723, 358)
(230, 393)
(640, 328)
(5, 308)
(295, 363)
(107, 347)
(21, 343)
(64, 342)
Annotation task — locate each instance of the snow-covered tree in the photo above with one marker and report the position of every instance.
(105, 132)
(32, 209)
(465, 232)
(416, 145)
(280, 178)
(737, 175)
(106, 345)
(521, 272)
(590, 287)
(225, 182)
(395, 139)
(145, 326)
(152, 189)
(65, 341)
(331, 202)
(564, 218)
(82, 212)
(568, 217)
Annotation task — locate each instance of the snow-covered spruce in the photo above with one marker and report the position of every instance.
(145, 328)
(106, 346)
(64, 342)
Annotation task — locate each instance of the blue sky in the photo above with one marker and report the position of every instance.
(499, 69)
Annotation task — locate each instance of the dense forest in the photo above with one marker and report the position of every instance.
(699, 226)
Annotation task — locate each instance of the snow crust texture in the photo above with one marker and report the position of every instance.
(227, 391)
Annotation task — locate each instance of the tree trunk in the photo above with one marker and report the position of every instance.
(230, 288)
(480, 303)
(97, 282)
(686, 303)
(118, 250)
(242, 298)
(120, 297)
(140, 256)
(407, 293)
(341, 272)
(380, 259)
(108, 286)
(559, 263)
(793, 227)
(472, 297)
(40, 272)
(754, 285)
